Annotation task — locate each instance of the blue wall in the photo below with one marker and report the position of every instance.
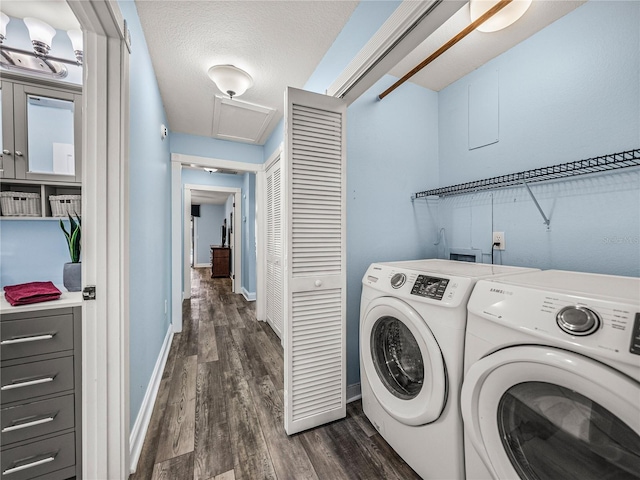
(570, 92)
(150, 222)
(208, 229)
(214, 148)
(249, 261)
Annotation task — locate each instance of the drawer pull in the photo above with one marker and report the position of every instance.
(32, 423)
(42, 461)
(28, 383)
(12, 341)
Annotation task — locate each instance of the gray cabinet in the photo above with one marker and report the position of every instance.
(40, 394)
(41, 132)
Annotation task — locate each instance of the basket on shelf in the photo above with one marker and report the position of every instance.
(64, 205)
(20, 204)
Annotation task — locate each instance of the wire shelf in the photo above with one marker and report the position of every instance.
(605, 163)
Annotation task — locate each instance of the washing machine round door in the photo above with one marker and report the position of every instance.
(543, 413)
(403, 362)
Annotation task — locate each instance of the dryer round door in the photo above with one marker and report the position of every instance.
(542, 413)
(403, 362)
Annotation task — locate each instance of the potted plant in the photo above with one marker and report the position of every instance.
(72, 270)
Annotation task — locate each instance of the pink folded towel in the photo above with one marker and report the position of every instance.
(33, 292)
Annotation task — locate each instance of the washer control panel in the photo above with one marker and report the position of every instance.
(635, 336)
(431, 287)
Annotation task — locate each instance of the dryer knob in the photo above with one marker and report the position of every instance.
(398, 280)
(577, 320)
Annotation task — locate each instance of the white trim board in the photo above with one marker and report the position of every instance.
(202, 265)
(404, 30)
(139, 430)
(249, 296)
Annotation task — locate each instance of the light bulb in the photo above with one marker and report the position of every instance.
(41, 35)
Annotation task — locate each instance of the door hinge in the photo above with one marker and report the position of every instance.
(233, 276)
(89, 293)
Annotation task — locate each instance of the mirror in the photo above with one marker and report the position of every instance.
(50, 135)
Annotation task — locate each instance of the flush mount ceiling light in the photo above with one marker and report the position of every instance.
(505, 17)
(211, 170)
(230, 80)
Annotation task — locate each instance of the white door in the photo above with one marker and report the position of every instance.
(403, 362)
(274, 247)
(535, 412)
(315, 260)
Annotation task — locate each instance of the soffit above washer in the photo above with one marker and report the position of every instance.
(477, 48)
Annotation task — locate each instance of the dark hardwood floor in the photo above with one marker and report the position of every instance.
(218, 413)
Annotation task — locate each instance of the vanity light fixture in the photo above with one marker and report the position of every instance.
(41, 35)
(76, 42)
(230, 79)
(38, 61)
(4, 20)
(505, 17)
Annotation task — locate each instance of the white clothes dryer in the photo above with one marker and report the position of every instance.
(412, 323)
(552, 378)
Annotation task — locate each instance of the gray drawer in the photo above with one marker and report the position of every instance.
(34, 379)
(34, 336)
(37, 418)
(39, 458)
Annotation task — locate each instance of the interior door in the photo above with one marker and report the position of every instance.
(315, 260)
(542, 413)
(274, 247)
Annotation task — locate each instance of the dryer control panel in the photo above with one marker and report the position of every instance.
(431, 287)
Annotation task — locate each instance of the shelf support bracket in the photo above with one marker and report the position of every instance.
(546, 220)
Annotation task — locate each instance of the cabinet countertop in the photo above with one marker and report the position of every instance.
(67, 299)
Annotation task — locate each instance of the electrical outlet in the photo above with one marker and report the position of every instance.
(498, 241)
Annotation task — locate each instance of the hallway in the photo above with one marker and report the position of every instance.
(218, 413)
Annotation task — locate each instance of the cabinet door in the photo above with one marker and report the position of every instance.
(47, 134)
(6, 130)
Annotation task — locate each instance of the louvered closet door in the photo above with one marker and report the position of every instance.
(274, 247)
(315, 277)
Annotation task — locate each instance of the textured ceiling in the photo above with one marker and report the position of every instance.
(279, 43)
(477, 48)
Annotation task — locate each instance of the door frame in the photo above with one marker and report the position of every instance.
(237, 234)
(105, 239)
(177, 228)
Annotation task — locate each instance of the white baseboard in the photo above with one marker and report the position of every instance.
(250, 296)
(139, 430)
(353, 392)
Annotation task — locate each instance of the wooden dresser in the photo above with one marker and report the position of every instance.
(220, 261)
(41, 393)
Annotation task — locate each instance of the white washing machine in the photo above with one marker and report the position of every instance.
(552, 378)
(412, 322)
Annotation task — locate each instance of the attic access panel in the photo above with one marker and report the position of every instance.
(240, 121)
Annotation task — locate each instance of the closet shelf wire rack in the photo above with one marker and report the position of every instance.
(605, 163)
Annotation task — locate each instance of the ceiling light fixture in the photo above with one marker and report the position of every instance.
(211, 170)
(230, 80)
(38, 61)
(505, 17)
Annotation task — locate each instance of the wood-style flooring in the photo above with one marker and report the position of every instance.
(218, 413)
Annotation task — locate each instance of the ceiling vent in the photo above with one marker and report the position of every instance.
(240, 121)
